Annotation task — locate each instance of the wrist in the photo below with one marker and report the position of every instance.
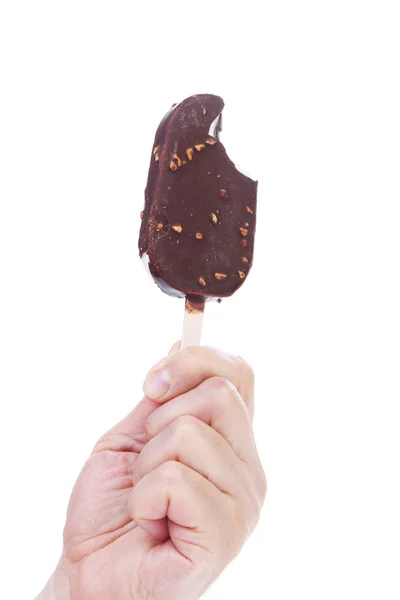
(57, 588)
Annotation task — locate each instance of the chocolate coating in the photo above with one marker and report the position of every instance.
(200, 212)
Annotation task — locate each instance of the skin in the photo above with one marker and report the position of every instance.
(168, 496)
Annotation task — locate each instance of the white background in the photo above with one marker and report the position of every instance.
(312, 111)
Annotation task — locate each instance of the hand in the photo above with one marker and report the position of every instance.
(170, 494)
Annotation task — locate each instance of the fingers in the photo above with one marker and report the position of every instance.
(175, 491)
(194, 444)
(196, 510)
(218, 404)
(185, 369)
(175, 348)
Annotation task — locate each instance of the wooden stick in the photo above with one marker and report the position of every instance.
(192, 322)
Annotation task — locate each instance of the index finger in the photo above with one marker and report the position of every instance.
(184, 370)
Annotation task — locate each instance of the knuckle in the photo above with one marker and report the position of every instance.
(183, 429)
(253, 512)
(241, 524)
(186, 361)
(260, 492)
(171, 471)
(262, 485)
(221, 387)
(248, 511)
(191, 353)
(246, 369)
(202, 355)
(222, 393)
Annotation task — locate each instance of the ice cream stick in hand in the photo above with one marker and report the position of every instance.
(192, 322)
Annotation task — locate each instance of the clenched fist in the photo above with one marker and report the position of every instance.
(170, 494)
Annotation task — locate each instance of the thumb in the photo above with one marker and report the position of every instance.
(130, 434)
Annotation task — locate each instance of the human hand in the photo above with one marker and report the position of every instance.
(170, 494)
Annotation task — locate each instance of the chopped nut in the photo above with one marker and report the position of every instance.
(211, 140)
(156, 149)
(249, 210)
(142, 214)
(157, 157)
(189, 153)
(244, 259)
(241, 274)
(199, 147)
(177, 228)
(246, 225)
(214, 218)
(218, 176)
(208, 172)
(243, 231)
(220, 276)
(202, 281)
(178, 160)
(244, 243)
(223, 193)
(159, 226)
(204, 111)
(172, 166)
(199, 236)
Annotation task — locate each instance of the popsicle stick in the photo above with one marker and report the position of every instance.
(192, 322)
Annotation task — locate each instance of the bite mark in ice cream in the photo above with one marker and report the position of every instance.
(200, 210)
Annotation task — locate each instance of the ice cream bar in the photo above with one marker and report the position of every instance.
(198, 223)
